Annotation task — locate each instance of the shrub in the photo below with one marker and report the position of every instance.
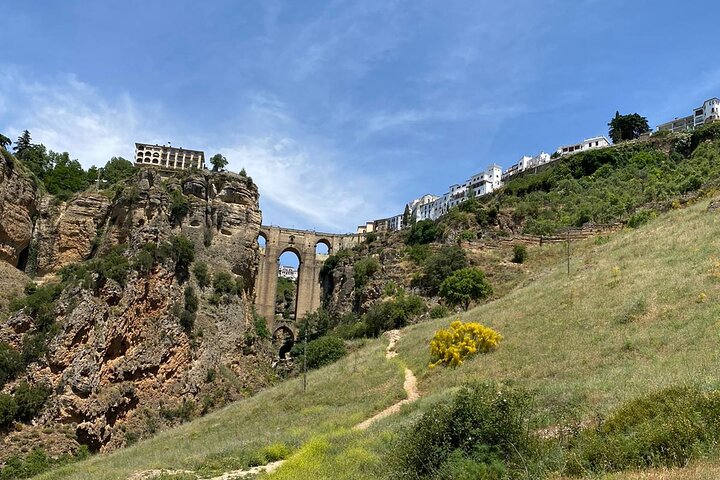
(34, 346)
(482, 433)
(30, 400)
(439, 311)
(640, 218)
(363, 270)
(370, 237)
(191, 300)
(324, 350)
(424, 231)
(40, 305)
(467, 235)
(10, 363)
(182, 252)
(332, 262)
(202, 275)
(665, 428)
(179, 206)
(37, 462)
(261, 328)
(451, 346)
(187, 320)
(440, 266)
(465, 286)
(393, 313)
(418, 253)
(223, 284)
(8, 409)
(519, 254)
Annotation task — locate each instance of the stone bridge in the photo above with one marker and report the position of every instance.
(303, 243)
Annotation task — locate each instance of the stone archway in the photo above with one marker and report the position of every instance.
(283, 339)
(303, 243)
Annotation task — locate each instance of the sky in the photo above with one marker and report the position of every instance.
(343, 111)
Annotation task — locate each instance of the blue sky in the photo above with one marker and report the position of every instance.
(343, 111)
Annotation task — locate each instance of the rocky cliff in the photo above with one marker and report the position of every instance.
(119, 360)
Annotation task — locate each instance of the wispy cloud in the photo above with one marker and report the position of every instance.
(71, 116)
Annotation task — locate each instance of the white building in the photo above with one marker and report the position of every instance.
(478, 185)
(165, 156)
(708, 112)
(395, 222)
(527, 163)
(587, 144)
(286, 271)
(421, 208)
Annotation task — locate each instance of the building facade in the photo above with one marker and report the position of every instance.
(167, 157)
(708, 112)
(587, 144)
(527, 163)
(286, 271)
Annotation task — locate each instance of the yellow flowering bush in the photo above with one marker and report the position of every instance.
(450, 346)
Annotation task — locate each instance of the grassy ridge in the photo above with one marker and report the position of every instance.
(637, 313)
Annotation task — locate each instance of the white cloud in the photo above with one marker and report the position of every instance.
(301, 180)
(71, 116)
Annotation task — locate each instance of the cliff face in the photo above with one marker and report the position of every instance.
(18, 206)
(119, 362)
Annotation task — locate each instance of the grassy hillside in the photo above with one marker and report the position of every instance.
(639, 311)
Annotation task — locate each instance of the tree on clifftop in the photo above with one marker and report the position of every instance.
(23, 143)
(627, 127)
(218, 162)
(4, 141)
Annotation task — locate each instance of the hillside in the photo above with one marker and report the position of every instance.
(637, 313)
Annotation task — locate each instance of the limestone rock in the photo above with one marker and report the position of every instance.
(18, 206)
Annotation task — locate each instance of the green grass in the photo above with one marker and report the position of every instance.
(238, 436)
(638, 313)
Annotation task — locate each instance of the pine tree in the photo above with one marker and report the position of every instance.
(4, 141)
(23, 143)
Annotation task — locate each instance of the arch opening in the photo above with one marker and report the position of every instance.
(23, 258)
(287, 285)
(284, 340)
(322, 247)
(262, 242)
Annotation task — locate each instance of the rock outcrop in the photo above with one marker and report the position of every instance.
(18, 207)
(120, 363)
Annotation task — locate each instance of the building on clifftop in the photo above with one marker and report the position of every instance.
(167, 157)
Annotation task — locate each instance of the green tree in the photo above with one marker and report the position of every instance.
(66, 176)
(406, 216)
(627, 127)
(424, 231)
(438, 267)
(218, 162)
(23, 143)
(465, 286)
(35, 157)
(4, 141)
(117, 170)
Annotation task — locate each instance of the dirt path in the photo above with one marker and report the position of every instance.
(410, 386)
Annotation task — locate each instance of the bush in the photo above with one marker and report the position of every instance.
(179, 206)
(182, 252)
(191, 300)
(223, 284)
(202, 275)
(482, 433)
(439, 311)
(8, 410)
(393, 313)
(37, 462)
(465, 286)
(440, 266)
(187, 320)
(324, 350)
(332, 262)
(30, 400)
(10, 363)
(640, 218)
(418, 253)
(363, 270)
(261, 328)
(519, 254)
(451, 346)
(40, 305)
(424, 231)
(664, 428)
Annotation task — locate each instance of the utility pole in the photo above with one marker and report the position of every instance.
(305, 361)
(568, 253)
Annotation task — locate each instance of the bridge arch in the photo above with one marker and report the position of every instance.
(283, 339)
(304, 244)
